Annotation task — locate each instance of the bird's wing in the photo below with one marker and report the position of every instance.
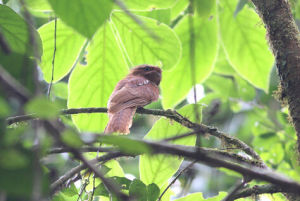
(136, 92)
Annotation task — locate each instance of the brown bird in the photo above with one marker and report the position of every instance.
(137, 89)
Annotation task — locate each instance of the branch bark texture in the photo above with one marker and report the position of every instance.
(284, 39)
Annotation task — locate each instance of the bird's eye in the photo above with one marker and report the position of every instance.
(147, 69)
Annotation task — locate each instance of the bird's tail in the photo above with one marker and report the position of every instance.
(121, 121)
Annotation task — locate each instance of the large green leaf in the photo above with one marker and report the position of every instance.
(141, 47)
(68, 46)
(91, 85)
(15, 33)
(17, 168)
(137, 4)
(199, 197)
(39, 5)
(244, 39)
(84, 16)
(158, 169)
(179, 80)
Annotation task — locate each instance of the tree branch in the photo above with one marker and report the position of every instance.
(217, 160)
(171, 114)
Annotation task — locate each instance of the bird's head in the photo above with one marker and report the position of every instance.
(152, 73)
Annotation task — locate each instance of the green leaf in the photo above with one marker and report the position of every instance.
(240, 6)
(222, 66)
(146, 5)
(64, 196)
(125, 144)
(231, 87)
(204, 7)
(42, 107)
(152, 192)
(84, 16)
(17, 168)
(38, 5)
(60, 90)
(91, 85)
(71, 138)
(71, 191)
(199, 197)
(115, 169)
(68, 47)
(158, 169)
(19, 159)
(5, 109)
(138, 190)
(178, 8)
(123, 182)
(141, 47)
(21, 66)
(244, 39)
(15, 33)
(179, 80)
(162, 15)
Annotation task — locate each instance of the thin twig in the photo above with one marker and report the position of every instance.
(59, 150)
(178, 175)
(53, 58)
(83, 186)
(177, 137)
(55, 186)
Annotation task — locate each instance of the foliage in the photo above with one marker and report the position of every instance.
(91, 46)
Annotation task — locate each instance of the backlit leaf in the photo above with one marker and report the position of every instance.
(141, 47)
(244, 39)
(68, 47)
(91, 85)
(179, 80)
(84, 16)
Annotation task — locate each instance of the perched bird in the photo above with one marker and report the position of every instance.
(137, 89)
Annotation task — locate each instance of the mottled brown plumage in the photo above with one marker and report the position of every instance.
(137, 89)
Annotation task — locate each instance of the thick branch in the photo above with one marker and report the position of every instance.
(171, 114)
(284, 38)
(216, 160)
(58, 150)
